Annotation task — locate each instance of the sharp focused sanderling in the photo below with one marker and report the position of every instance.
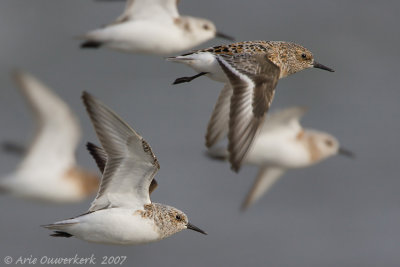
(152, 27)
(48, 171)
(250, 71)
(283, 144)
(122, 212)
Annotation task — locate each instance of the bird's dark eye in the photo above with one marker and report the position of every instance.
(205, 27)
(178, 217)
(328, 142)
(304, 56)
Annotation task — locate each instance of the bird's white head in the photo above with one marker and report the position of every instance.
(200, 30)
(321, 145)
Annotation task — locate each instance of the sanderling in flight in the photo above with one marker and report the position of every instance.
(152, 27)
(283, 144)
(250, 71)
(49, 171)
(122, 212)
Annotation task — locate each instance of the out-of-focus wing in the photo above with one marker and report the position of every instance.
(161, 10)
(266, 177)
(58, 132)
(288, 119)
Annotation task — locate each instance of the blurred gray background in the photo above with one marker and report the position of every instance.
(341, 212)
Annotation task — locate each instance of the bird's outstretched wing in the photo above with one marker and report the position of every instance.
(266, 177)
(57, 131)
(287, 119)
(156, 10)
(218, 125)
(100, 157)
(131, 164)
(253, 78)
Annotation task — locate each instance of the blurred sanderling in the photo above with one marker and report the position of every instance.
(250, 71)
(283, 144)
(49, 171)
(122, 212)
(152, 27)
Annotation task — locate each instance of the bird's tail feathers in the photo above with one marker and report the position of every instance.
(218, 153)
(61, 234)
(91, 44)
(61, 225)
(13, 147)
(61, 228)
(3, 190)
(179, 58)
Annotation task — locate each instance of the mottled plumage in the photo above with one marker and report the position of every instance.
(122, 212)
(251, 70)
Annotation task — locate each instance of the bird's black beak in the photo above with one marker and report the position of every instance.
(224, 36)
(195, 228)
(322, 67)
(345, 152)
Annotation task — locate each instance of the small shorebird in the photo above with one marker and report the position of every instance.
(122, 212)
(250, 71)
(49, 171)
(283, 144)
(152, 27)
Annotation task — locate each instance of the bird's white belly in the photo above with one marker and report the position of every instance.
(43, 188)
(115, 226)
(272, 152)
(144, 37)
